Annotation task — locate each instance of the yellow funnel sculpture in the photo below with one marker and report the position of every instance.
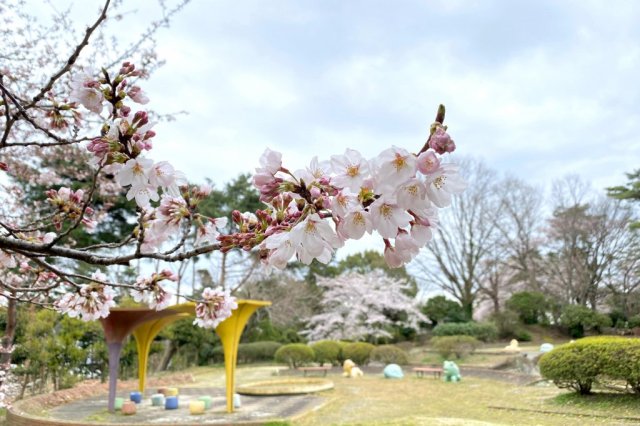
(147, 331)
(229, 332)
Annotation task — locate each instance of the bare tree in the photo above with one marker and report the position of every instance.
(622, 276)
(519, 226)
(455, 260)
(584, 239)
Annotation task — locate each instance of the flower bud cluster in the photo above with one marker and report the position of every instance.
(215, 307)
(91, 301)
(69, 206)
(149, 291)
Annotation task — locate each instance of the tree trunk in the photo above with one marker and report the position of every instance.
(168, 354)
(9, 332)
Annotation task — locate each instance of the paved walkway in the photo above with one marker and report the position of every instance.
(254, 409)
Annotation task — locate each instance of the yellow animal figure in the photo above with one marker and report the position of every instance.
(513, 346)
(347, 367)
(356, 372)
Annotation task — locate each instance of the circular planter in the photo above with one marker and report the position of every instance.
(285, 387)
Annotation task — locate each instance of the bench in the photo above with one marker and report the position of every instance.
(420, 371)
(323, 369)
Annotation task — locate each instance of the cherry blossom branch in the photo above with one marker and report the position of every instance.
(85, 206)
(440, 120)
(73, 58)
(13, 244)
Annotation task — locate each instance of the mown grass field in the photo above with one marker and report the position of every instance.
(373, 400)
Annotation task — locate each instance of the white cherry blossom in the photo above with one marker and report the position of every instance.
(387, 217)
(143, 193)
(135, 171)
(313, 238)
(281, 249)
(393, 167)
(351, 169)
(443, 183)
(412, 195)
(355, 224)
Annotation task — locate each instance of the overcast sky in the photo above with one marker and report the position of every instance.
(538, 89)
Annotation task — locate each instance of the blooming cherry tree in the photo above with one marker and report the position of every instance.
(356, 306)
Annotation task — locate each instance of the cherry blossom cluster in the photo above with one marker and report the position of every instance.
(119, 151)
(314, 210)
(149, 291)
(69, 205)
(215, 307)
(91, 301)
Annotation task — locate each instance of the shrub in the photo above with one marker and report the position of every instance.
(327, 351)
(294, 354)
(578, 319)
(439, 309)
(522, 335)
(460, 346)
(481, 331)
(634, 321)
(358, 352)
(531, 306)
(257, 351)
(389, 354)
(507, 322)
(580, 364)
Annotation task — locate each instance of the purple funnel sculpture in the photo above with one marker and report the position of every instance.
(117, 326)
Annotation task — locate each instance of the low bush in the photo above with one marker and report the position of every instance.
(294, 355)
(523, 335)
(578, 319)
(327, 351)
(580, 364)
(486, 331)
(460, 346)
(358, 352)
(257, 351)
(634, 321)
(389, 354)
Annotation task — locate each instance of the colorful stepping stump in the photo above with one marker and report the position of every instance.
(236, 401)
(135, 397)
(171, 392)
(196, 407)
(128, 408)
(118, 403)
(208, 402)
(171, 403)
(157, 400)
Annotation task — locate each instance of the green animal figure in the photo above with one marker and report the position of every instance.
(451, 372)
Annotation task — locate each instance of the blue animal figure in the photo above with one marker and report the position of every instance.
(451, 372)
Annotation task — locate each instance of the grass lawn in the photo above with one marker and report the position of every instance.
(378, 401)
(373, 400)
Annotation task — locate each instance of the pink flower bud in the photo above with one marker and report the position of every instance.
(441, 142)
(315, 192)
(428, 162)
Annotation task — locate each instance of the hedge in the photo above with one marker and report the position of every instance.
(294, 355)
(484, 331)
(389, 354)
(358, 352)
(460, 346)
(257, 351)
(580, 364)
(327, 351)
